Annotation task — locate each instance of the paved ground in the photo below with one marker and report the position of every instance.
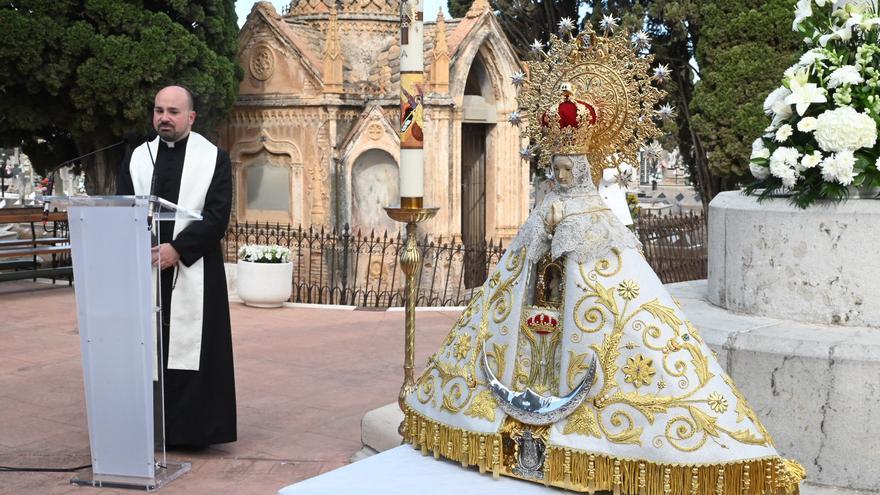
(304, 379)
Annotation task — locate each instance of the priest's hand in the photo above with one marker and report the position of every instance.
(166, 254)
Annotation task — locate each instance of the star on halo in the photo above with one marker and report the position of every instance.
(527, 153)
(608, 23)
(515, 118)
(537, 46)
(518, 79)
(641, 40)
(666, 111)
(565, 26)
(661, 73)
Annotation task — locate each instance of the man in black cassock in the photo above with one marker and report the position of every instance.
(196, 334)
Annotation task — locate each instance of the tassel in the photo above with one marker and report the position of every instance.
(590, 472)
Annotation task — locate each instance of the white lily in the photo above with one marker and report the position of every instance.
(802, 11)
(804, 94)
(842, 33)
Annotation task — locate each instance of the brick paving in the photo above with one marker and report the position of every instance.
(304, 378)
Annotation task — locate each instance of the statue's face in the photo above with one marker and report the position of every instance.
(562, 165)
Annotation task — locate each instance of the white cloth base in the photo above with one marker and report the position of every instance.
(405, 471)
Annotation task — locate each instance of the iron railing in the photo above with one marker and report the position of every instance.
(354, 268)
(675, 245)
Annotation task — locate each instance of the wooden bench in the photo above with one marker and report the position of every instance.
(19, 257)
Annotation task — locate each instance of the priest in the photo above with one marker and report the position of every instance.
(197, 340)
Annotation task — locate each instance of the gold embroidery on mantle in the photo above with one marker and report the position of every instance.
(686, 432)
(588, 472)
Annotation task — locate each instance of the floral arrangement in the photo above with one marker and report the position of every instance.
(822, 140)
(264, 254)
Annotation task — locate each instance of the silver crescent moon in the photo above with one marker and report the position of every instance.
(528, 407)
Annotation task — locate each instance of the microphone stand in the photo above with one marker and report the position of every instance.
(51, 184)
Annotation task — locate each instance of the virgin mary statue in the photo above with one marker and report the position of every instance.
(572, 365)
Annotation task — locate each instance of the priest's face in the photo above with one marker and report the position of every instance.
(173, 115)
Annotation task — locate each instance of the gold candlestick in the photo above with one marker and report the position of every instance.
(410, 259)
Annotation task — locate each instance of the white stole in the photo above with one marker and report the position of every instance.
(187, 299)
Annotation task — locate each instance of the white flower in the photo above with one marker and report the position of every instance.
(807, 124)
(784, 132)
(759, 150)
(782, 164)
(804, 94)
(775, 101)
(537, 46)
(839, 168)
(608, 23)
(845, 129)
(566, 25)
(842, 33)
(264, 254)
(812, 56)
(848, 74)
(811, 160)
(802, 11)
(518, 78)
(760, 172)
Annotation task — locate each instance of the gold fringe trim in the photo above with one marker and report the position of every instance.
(587, 472)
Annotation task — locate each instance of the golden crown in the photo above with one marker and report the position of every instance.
(600, 75)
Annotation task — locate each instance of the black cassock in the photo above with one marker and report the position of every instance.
(199, 405)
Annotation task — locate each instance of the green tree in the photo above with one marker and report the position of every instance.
(81, 73)
(458, 8)
(744, 49)
(524, 21)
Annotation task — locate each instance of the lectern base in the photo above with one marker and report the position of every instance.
(164, 475)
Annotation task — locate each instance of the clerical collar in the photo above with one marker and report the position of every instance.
(173, 144)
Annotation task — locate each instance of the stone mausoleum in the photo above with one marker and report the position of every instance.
(313, 135)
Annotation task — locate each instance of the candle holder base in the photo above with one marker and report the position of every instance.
(410, 259)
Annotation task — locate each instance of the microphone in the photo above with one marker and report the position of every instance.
(131, 138)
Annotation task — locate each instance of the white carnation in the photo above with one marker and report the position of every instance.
(784, 132)
(839, 167)
(811, 160)
(807, 124)
(848, 74)
(782, 165)
(845, 129)
(760, 172)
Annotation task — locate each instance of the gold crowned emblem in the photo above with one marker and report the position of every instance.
(609, 84)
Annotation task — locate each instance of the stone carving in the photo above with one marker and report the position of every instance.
(375, 131)
(262, 63)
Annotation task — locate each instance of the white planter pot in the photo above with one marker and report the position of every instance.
(264, 285)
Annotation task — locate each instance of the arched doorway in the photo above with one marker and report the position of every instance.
(479, 116)
(373, 186)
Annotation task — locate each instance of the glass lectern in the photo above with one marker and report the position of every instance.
(118, 304)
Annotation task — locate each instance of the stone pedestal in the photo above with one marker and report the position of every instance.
(820, 265)
(796, 322)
